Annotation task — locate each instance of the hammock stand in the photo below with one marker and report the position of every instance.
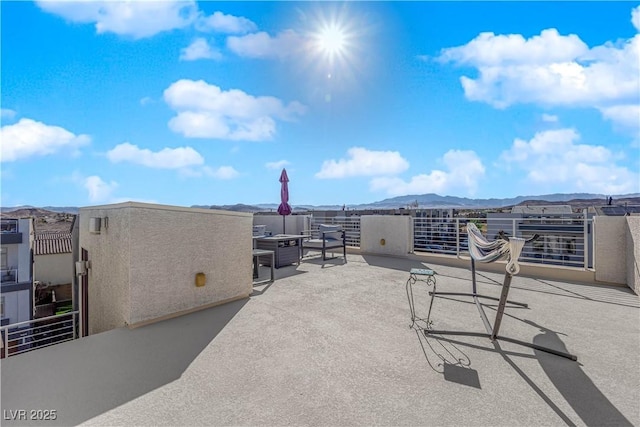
(482, 250)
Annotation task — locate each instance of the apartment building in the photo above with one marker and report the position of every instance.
(16, 263)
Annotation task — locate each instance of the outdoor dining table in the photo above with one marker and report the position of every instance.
(287, 247)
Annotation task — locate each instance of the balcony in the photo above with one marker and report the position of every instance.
(330, 344)
(9, 276)
(9, 232)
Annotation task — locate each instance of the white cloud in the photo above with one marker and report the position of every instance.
(223, 172)
(138, 19)
(276, 165)
(206, 111)
(31, 138)
(146, 101)
(635, 17)
(167, 158)
(363, 162)
(262, 45)
(6, 113)
(555, 157)
(199, 49)
(229, 24)
(463, 171)
(627, 116)
(99, 191)
(549, 118)
(550, 70)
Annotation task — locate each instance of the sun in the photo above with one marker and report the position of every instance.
(331, 40)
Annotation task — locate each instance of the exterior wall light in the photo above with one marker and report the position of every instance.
(382, 242)
(201, 279)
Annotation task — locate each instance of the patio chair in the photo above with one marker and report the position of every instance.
(327, 238)
(482, 250)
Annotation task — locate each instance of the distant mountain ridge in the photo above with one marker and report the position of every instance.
(435, 200)
(430, 200)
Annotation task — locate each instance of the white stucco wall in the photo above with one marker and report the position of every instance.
(610, 249)
(633, 253)
(54, 268)
(17, 306)
(397, 232)
(143, 265)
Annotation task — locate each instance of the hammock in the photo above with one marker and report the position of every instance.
(483, 250)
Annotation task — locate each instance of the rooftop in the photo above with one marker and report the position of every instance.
(52, 243)
(331, 345)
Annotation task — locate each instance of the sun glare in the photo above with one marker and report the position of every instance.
(331, 40)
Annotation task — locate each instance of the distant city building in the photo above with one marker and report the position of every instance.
(542, 209)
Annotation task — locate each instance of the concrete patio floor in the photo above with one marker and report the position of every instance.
(330, 344)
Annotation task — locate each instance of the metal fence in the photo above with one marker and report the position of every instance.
(351, 225)
(29, 335)
(9, 275)
(562, 241)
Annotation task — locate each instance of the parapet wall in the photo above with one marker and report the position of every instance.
(145, 259)
(633, 253)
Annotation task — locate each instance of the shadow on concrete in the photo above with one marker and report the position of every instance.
(84, 378)
(288, 271)
(626, 298)
(329, 263)
(260, 288)
(494, 347)
(448, 359)
(392, 263)
(576, 387)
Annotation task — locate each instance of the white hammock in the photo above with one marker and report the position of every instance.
(483, 250)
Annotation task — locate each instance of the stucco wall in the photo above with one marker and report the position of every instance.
(168, 248)
(17, 306)
(143, 265)
(397, 232)
(633, 253)
(611, 248)
(55, 268)
(109, 298)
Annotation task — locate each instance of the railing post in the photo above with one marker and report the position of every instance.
(513, 227)
(585, 239)
(457, 237)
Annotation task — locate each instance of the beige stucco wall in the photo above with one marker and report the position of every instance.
(633, 253)
(56, 268)
(109, 253)
(610, 249)
(143, 265)
(168, 248)
(397, 232)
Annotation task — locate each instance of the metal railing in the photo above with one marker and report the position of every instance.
(562, 241)
(30, 335)
(9, 226)
(350, 224)
(9, 275)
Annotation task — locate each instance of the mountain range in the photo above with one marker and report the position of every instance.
(415, 200)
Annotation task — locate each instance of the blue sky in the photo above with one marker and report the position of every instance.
(188, 103)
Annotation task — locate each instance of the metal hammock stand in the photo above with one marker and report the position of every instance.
(482, 250)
